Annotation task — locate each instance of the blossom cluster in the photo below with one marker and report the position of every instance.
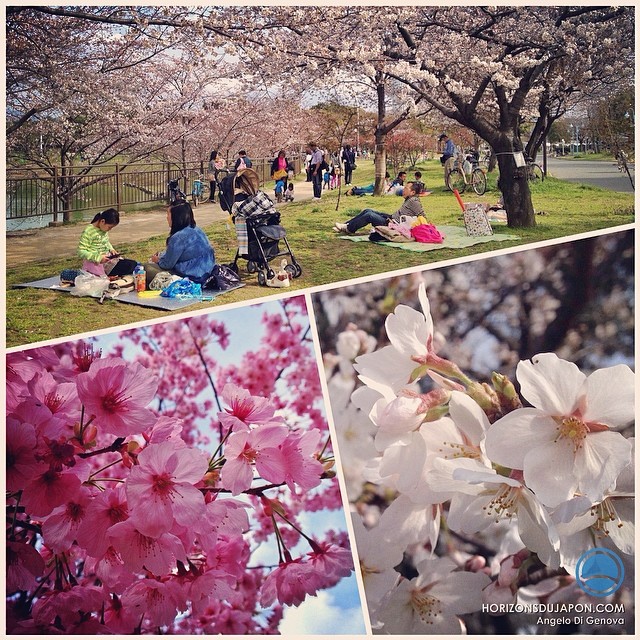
(468, 492)
(123, 519)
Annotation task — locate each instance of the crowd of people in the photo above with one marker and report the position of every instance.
(188, 252)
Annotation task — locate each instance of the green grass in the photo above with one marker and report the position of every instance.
(35, 315)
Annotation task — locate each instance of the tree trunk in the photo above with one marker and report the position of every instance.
(380, 162)
(515, 190)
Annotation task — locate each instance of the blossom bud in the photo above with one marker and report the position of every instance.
(486, 398)
(506, 391)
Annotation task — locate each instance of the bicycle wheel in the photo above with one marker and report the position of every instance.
(456, 181)
(479, 181)
(535, 173)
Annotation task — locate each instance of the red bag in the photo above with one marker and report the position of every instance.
(427, 233)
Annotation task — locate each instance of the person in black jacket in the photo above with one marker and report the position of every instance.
(349, 160)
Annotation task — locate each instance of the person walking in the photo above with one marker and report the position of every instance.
(280, 168)
(349, 161)
(316, 167)
(216, 162)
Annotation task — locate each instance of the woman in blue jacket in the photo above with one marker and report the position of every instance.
(188, 252)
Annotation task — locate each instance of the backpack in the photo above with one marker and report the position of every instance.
(242, 164)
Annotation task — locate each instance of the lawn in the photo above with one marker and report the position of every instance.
(566, 209)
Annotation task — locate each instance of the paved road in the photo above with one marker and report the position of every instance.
(599, 173)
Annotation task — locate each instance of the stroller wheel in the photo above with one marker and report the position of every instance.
(252, 267)
(271, 274)
(262, 278)
(294, 270)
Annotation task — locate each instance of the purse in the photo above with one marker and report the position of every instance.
(123, 284)
(476, 221)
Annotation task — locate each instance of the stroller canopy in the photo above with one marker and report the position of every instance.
(242, 184)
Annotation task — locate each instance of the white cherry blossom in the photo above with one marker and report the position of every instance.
(565, 444)
(431, 602)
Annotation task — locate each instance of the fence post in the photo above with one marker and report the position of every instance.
(55, 195)
(118, 203)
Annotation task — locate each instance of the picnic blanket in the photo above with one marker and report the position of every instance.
(154, 302)
(454, 238)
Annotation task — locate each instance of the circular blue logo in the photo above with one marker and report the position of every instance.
(599, 572)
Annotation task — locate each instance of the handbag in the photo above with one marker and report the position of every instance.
(280, 173)
(475, 219)
(222, 278)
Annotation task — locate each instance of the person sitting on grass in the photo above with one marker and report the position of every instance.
(410, 207)
(422, 191)
(188, 253)
(368, 190)
(99, 256)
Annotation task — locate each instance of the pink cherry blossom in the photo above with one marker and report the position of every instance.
(105, 509)
(244, 409)
(290, 583)
(49, 490)
(20, 451)
(151, 599)
(157, 554)
(117, 394)
(60, 528)
(332, 562)
(297, 462)
(258, 448)
(24, 565)
(160, 489)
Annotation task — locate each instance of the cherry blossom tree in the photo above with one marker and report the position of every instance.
(156, 485)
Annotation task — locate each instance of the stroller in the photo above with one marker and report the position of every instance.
(257, 225)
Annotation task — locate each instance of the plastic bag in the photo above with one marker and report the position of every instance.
(87, 284)
(182, 288)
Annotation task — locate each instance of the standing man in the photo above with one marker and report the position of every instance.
(315, 168)
(349, 159)
(447, 159)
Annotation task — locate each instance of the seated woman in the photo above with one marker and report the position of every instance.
(410, 207)
(188, 253)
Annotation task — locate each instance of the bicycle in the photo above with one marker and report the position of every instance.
(175, 193)
(534, 170)
(197, 190)
(467, 172)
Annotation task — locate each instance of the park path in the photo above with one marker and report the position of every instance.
(38, 245)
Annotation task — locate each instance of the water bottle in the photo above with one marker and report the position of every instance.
(140, 278)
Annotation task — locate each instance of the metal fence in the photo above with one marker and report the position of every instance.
(55, 195)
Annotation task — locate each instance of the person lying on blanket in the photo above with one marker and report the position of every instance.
(188, 253)
(98, 255)
(410, 207)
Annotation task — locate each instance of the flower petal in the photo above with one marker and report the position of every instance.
(550, 383)
(610, 396)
